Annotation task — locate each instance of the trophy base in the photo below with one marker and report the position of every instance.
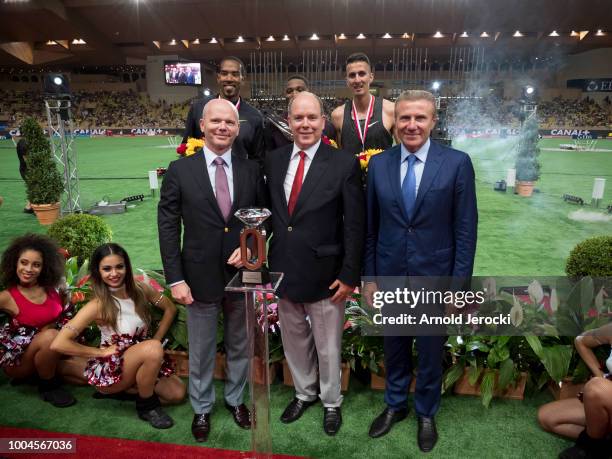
(261, 276)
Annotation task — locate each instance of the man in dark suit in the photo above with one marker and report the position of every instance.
(318, 228)
(202, 192)
(250, 141)
(422, 221)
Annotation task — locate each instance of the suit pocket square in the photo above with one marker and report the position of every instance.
(328, 250)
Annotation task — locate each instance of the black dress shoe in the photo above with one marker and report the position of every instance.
(200, 427)
(295, 410)
(332, 420)
(241, 415)
(382, 424)
(427, 435)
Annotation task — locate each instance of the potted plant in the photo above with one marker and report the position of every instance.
(527, 164)
(484, 365)
(80, 234)
(43, 180)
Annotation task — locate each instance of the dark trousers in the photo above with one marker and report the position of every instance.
(398, 366)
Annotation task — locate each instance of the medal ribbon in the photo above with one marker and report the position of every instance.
(360, 134)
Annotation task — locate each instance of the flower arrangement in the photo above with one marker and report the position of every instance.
(329, 141)
(192, 146)
(275, 345)
(364, 157)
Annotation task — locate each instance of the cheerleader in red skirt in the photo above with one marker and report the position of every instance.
(31, 269)
(128, 355)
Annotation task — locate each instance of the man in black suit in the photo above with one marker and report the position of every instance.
(250, 141)
(318, 229)
(202, 192)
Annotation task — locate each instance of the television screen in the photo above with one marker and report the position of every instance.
(183, 73)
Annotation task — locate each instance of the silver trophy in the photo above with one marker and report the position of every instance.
(254, 271)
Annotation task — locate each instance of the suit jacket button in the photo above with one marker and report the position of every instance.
(410, 229)
(226, 229)
(290, 228)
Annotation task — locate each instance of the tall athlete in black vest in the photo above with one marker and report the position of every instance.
(374, 115)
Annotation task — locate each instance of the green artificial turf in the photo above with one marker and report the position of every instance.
(507, 429)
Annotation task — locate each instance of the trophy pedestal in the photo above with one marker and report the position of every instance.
(259, 373)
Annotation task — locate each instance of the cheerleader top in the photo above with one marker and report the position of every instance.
(128, 321)
(33, 314)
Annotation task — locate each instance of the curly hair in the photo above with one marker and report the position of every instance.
(52, 267)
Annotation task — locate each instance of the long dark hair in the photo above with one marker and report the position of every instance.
(108, 306)
(52, 266)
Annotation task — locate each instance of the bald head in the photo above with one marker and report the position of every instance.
(305, 95)
(220, 125)
(306, 119)
(219, 103)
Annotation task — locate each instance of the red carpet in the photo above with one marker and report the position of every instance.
(89, 446)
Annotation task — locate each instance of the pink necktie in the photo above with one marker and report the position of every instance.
(222, 189)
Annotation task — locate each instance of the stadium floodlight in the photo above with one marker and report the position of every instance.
(464, 35)
(438, 34)
(484, 35)
(314, 37)
(529, 90)
(207, 92)
(271, 38)
(361, 37)
(553, 34)
(386, 36)
(599, 33)
(213, 41)
(436, 85)
(239, 39)
(341, 37)
(286, 38)
(517, 34)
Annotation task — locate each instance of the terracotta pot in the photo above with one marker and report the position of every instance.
(524, 188)
(46, 213)
(378, 380)
(344, 377)
(287, 378)
(220, 366)
(181, 362)
(516, 392)
(258, 377)
(566, 389)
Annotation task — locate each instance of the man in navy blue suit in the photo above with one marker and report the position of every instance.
(422, 221)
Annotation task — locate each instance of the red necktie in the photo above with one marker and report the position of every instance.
(297, 183)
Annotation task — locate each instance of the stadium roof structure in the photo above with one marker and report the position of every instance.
(107, 32)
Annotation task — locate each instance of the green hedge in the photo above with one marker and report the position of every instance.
(592, 257)
(80, 234)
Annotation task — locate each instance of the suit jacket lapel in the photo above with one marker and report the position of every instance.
(281, 171)
(432, 166)
(394, 163)
(239, 177)
(318, 168)
(200, 174)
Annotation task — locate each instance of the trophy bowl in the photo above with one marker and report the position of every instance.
(252, 217)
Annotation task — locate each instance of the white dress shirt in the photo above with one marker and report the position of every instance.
(211, 167)
(419, 165)
(293, 165)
